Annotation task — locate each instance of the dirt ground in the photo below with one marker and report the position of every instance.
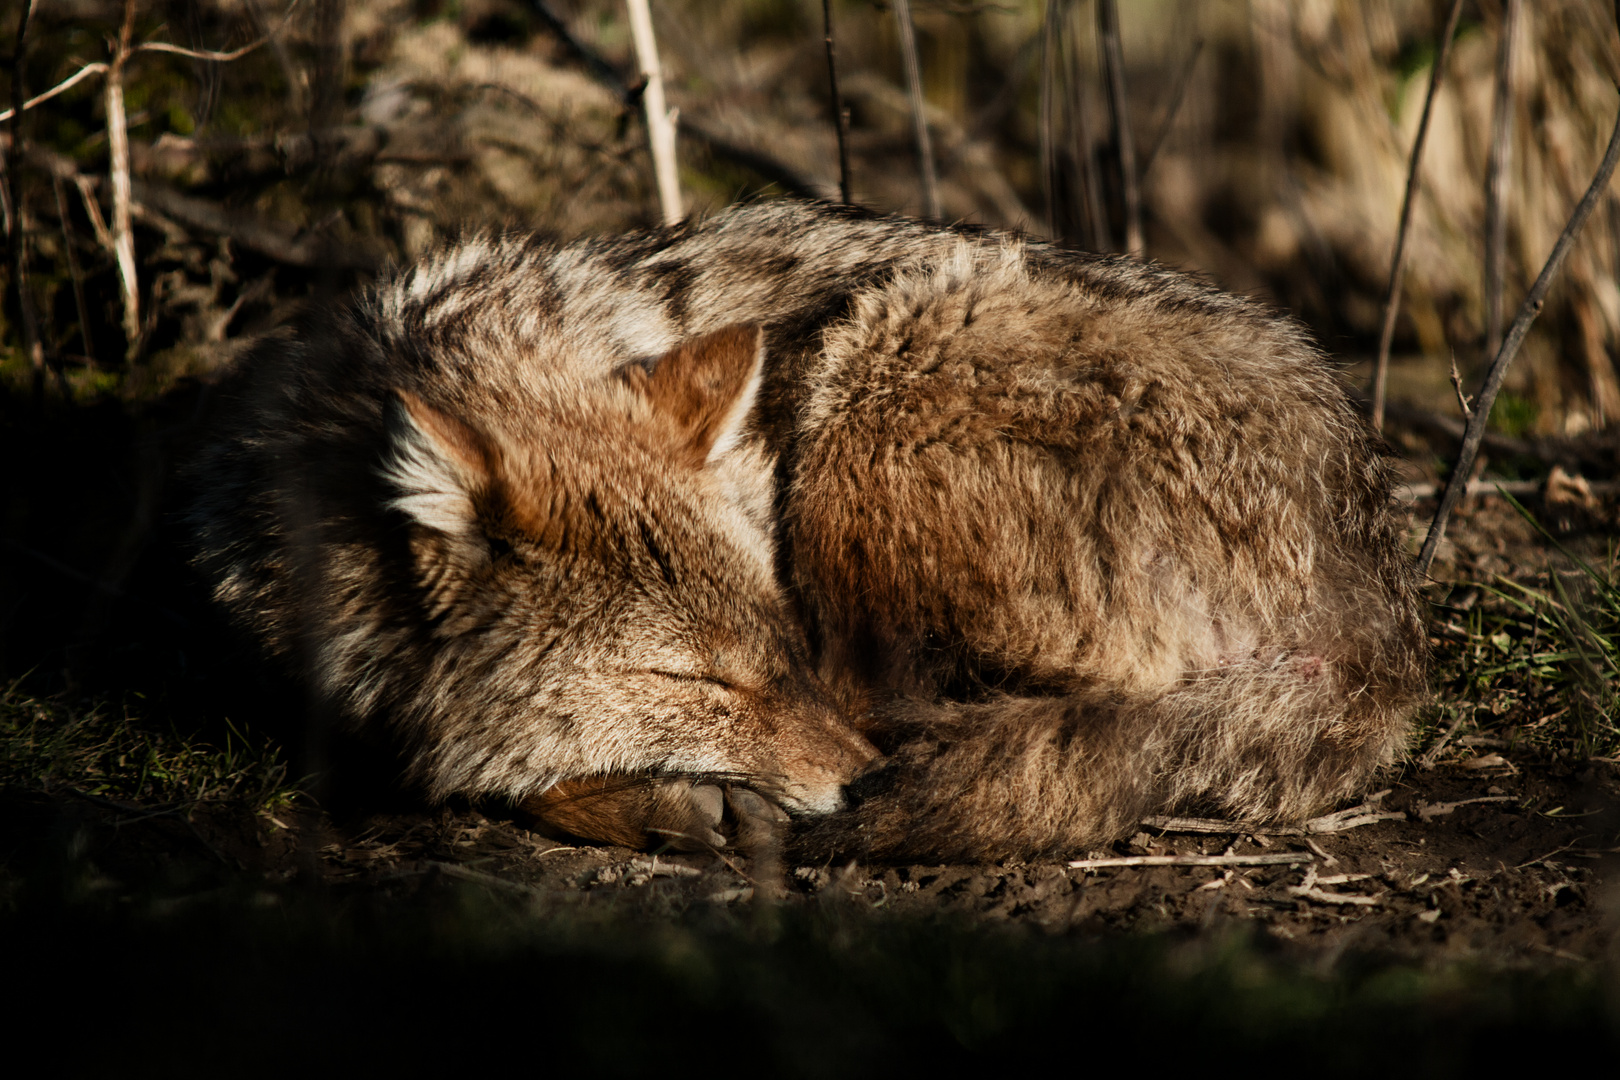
(1500, 862)
(1486, 851)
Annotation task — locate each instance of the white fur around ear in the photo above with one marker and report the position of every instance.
(730, 428)
(702, 390)
(435, 464)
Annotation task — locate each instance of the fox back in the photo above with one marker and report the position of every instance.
(1067, 539)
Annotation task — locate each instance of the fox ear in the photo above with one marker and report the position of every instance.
(704, 388)
(437, 464)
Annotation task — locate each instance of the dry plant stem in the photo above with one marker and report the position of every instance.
(1049, 46)
(62, 87)
(840, 115)
(748, 157)
(660, 119)
(32, 343)
(1456, 385)
(925, 146)
(92, 210)
(123, 233)
(1284, 859)
(1498, 178)
(1099, 235)
(1475, 432)
(1183, 80)
(74, 271)
(1124, 145)
(1397, 266)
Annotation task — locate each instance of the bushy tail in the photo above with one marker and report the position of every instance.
(1028, 776)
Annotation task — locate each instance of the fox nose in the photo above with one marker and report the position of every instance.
(877, 778)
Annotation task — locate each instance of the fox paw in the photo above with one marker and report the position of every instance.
(636, 812)
(760, 822)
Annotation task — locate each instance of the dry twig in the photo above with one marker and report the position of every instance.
(1497, 178)
(33, 345)
(74, 271)
(123, 232)
(629, 97)
(660, 118)
(1463, 400)
(62, 87)
(1367, 813)
(925, 147)
(1430, 811)
(1124, 145)
(1308, 890)
(1183, 80)
(840, 114)
(1049, 47)
(1284, 859)
(1397, 268)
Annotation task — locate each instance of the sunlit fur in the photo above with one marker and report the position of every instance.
(1072, 539)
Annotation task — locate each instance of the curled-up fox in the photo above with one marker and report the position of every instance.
(961, 544)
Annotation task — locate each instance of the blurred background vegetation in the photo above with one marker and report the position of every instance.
(1271, 137)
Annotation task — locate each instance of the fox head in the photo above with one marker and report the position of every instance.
(595, 601)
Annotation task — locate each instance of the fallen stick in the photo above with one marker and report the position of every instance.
(1293, 858)
(1344, 820)
(1430, 811)
(1307, 889)
(1212, 825)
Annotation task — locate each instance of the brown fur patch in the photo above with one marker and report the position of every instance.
(696, 386)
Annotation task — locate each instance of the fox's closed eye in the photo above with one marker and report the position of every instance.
(683, 677)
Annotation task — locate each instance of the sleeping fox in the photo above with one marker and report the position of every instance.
(961, 544)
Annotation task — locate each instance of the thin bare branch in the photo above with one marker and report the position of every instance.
(33, 345)
(60, 88)
(1475, 432)
(925, 146)
(1088, 183)
(1284, 859)
(74, 271)
(1463, 400)
(1124, 143)
(123, 232)
(1498, 178)
(752, 158)
(92, 210)
(660, 119)
(840, 114)
(1397, 267)
(1050, 27)
(1183, 80)
(200, 54)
